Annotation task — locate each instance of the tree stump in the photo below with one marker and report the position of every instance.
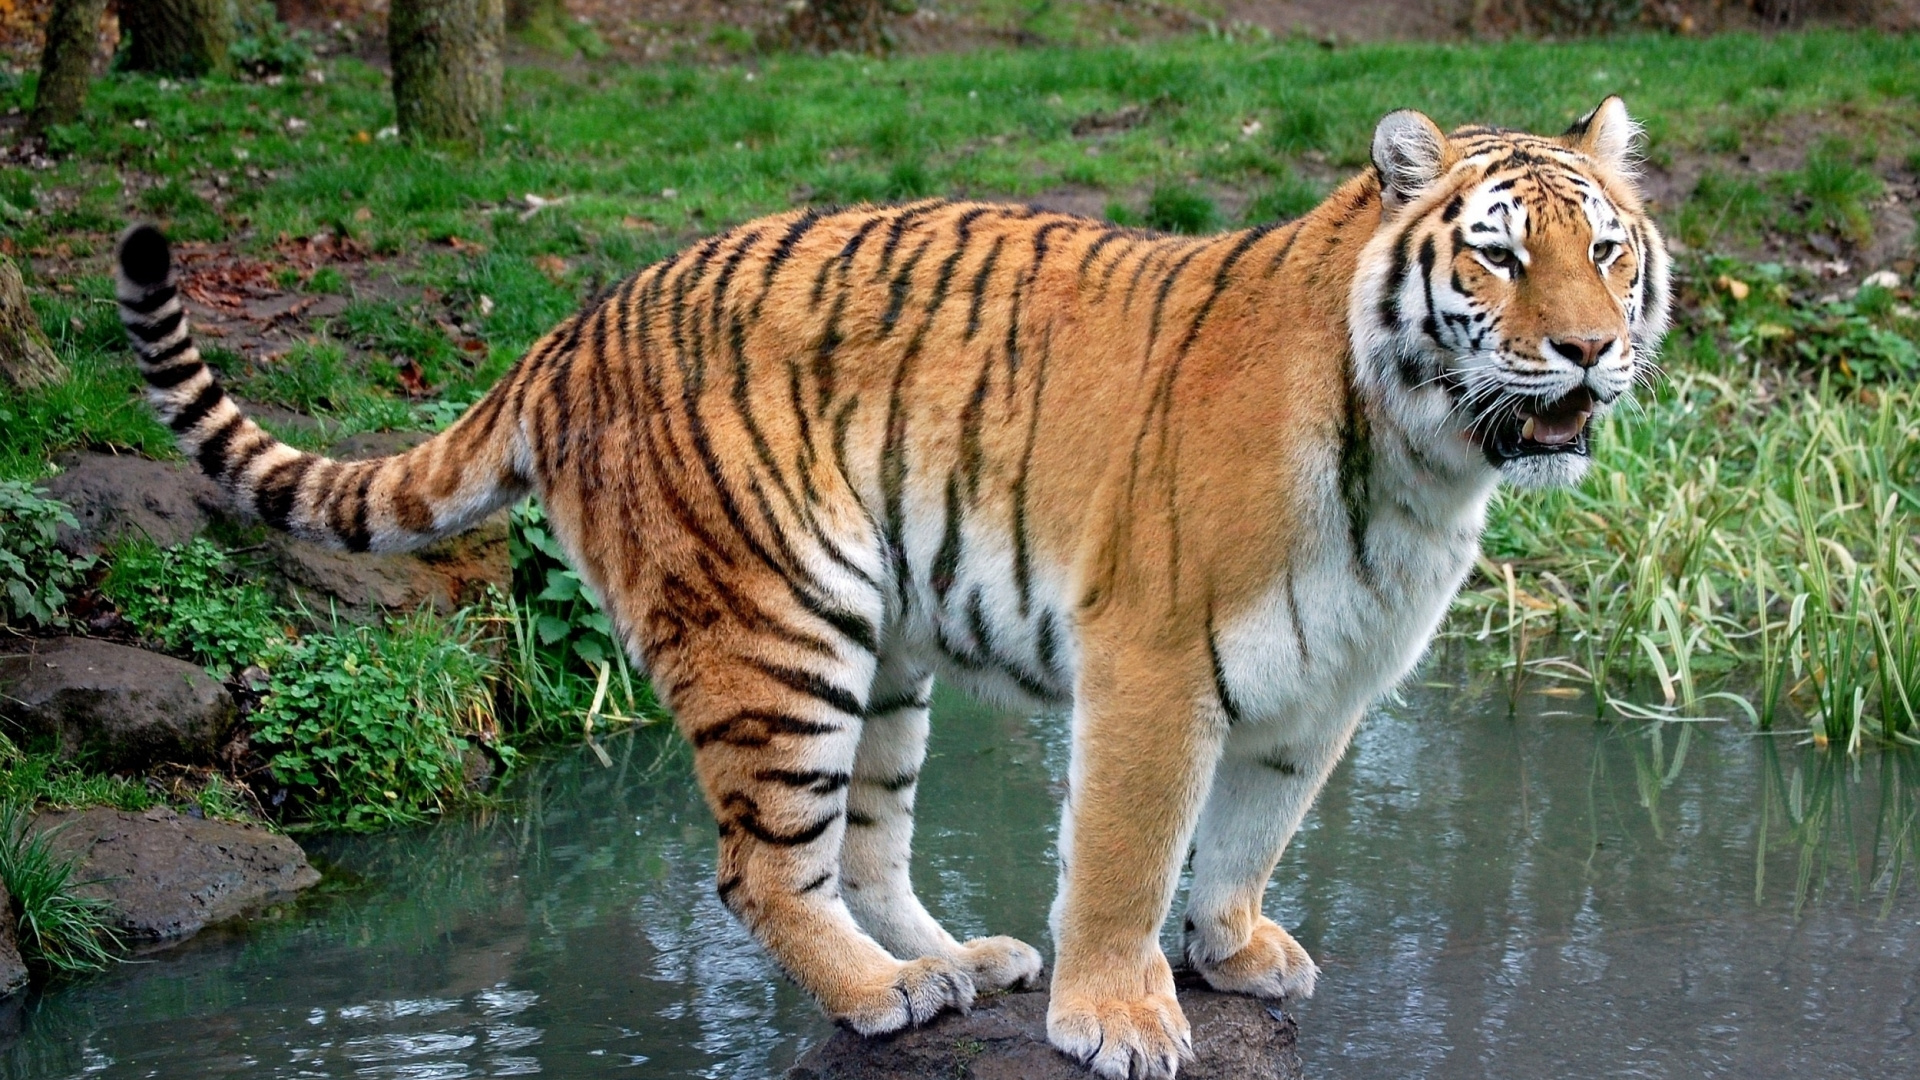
(857, 26)
(26, 360)
(66, 64)
(188, 38)
(446, 68)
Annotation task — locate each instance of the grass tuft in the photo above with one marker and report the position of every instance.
(59, 929)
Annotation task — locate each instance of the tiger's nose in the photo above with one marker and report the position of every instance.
(1584, 351)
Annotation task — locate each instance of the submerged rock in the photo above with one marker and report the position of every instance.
(13, 970)
(167, 876)
(1005, 1038)
(118, 495)
(122, 709)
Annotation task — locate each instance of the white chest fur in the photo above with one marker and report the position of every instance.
(1336, 629)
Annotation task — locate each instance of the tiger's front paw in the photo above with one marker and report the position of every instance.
(1271, 965)
(997, 963)
(1143, 1036)
(919, 990)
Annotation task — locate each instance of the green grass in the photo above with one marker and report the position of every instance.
(58, 929)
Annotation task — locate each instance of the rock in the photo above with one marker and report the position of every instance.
(122, 709)
(116, 495)
(13, 970)
(167, 876)
(444, 576)
(1005, 1038)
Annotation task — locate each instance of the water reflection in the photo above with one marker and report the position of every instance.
(1490, 897)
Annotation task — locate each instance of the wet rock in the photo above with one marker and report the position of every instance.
(167, 876)
(443, 576)
(1005, 1038)
(117, 495)
(122, 709)
(13, 970)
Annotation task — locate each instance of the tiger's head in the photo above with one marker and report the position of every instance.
(1514, 290)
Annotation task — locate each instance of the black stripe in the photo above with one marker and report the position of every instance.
(1220, 689)
(757, 727)
(725, 889)
(810, 683)
(899, 783)
(210, 397)
(1280, 257)
(898, 289)
(1280, 763)
(963, 236)
(1396, 277)
(150, 332)
(747, 820)
(980, 286)
(816, 883)
(783, 251)
(1220, 280)
(884, 706)
(821, 782)
(274, 498)
(946, 562)
(213, 452)
(357, 536)
(167, 378)
(1428, 256)
(856, 819)
(1356, 475)
(1094, 249)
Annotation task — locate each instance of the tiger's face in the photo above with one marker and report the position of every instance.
(1516, 289)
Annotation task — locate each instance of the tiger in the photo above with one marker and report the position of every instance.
(1209, 495)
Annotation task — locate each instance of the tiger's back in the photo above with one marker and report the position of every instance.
(1213, 492)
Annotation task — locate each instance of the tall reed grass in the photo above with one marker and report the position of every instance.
(1746, 545)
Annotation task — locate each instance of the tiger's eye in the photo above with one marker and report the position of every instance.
(1500, 258)
(1605, 250)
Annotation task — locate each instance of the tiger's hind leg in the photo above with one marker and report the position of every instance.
(775, 719)
(879, 846)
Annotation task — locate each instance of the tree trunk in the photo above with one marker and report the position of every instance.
(26, 360)
(66, 64)
(178, 37)
(446, 67)
(842, 25)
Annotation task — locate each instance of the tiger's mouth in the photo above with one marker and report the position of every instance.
(1538, 428)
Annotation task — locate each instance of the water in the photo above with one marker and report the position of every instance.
(1490, 897)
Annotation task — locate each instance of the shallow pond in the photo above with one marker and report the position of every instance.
(1491, 895)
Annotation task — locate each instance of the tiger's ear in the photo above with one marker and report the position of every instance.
(1410, 153)
(1606, 134)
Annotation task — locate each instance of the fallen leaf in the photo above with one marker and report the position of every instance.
(410, 376)
(553, 266)
(1733, 287)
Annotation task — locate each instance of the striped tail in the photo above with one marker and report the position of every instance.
(448, 483)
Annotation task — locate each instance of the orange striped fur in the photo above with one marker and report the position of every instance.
(1213, 493)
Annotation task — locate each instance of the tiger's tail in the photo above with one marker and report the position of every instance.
(446, 484)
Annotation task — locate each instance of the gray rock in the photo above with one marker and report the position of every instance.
(117, 495)
(1005, 1038)
(167, 876)
(123, 709)
(13, 970)
(442, 576)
